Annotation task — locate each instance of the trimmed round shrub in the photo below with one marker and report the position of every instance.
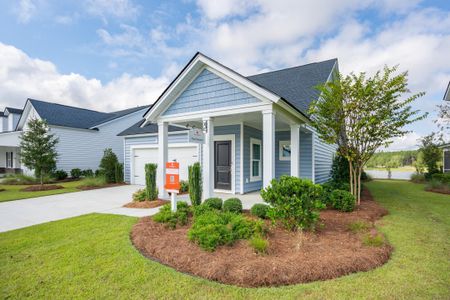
(342, 200)
(139, 195)
(75, 173)
(215, 203)
(60, 175)
(87, 173)
(259, 210)
(233, 205)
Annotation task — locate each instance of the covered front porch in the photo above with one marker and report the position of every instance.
(10, 153)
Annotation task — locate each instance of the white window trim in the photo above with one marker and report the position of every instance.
(280, 150)
(257, 142)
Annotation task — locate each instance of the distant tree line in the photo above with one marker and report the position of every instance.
(393, 159)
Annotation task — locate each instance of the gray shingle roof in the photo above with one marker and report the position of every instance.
(296, 85)
(149, 128)
(13, 110)
(75, 117)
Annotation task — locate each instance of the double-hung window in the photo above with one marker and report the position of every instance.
(255, 159)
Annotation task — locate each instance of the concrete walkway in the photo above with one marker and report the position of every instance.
(22, 213)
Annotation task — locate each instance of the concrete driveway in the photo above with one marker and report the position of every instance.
(27, 212)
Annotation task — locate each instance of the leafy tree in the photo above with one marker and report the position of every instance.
(38, 148)
(361, 114)
(108, 165)
(431, 154)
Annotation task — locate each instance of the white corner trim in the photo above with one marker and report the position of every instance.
(232, 138)
(242, 159)
(257, 142)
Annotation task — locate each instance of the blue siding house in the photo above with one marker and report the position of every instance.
(256, 128)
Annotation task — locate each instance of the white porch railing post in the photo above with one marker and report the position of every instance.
(268, 146)
(295, 150)
(163, 153)
(208, 159)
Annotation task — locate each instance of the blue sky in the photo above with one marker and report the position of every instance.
(115, 54)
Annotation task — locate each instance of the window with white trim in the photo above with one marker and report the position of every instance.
(9, 160)
(255, 159)
(284, 150)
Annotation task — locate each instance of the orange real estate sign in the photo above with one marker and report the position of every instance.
(172, 175)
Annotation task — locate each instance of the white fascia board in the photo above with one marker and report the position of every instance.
(199, 63)
(24, 116)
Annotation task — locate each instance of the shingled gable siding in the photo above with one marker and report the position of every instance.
(79, 148)
(209, 91)
(143, 141)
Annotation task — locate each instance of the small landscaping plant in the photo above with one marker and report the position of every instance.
(19, 179)
(87, 173)
(259, 210)
(215, 203)
(358, 226)
(195, 184)
(75, 173)
(139, 195)
(93, 182)
(198, 210)
(418, 178)
(376, 240)
(184, 186)
(259, 244)
(343, 200)
(60, 175)
(108, 165)
(170, 218)
(232, 205)
(294, 202)
(150, 181)
(118, 172)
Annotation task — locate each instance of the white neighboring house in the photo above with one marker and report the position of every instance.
(83, 134)
(256, 128)
(446, 147)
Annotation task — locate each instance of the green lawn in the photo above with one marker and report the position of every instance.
(13, 192)
(92, 257)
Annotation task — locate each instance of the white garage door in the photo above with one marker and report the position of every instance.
(186, 156)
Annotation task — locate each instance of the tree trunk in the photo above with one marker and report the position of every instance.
(359, 185)
(42, 178)
(350, 167)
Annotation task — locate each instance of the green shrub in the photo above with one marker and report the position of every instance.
(259, 244)
(118, 172)
(373, 240)
(98, 173)
(437, 185)
(358, 226)
(108, 165)
(139, 195)
(233, 205)
(172, 219)
(259, 210)
(150, 181)
(294, 202)
(215, 203)
(75, 173)
(198, 210)
(60, 175)
(442, 177)
(19, 179)
(184, 186)
(93, 181)
(87, 173)
(195, 184)
(342, 200)
(214, 228)
(418, 178)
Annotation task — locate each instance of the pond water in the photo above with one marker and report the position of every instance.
(405, 175)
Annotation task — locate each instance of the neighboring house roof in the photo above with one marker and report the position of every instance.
(2, 114)
(13, 110)
(297, 85)
(75, 117)
(447, 92)
(147, 129)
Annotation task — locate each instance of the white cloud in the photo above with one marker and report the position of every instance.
(122, 9)
(25, 11)
(24, 77)
(216, 10)
(408, 142)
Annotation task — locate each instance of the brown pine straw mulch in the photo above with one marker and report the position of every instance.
(293, 257)
(146, 203)
(38, 188)
(94, 187)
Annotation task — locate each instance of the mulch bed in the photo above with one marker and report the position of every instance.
(88, 188)
(146, 204)
(439, 191)
(293, 257)
(39, 188)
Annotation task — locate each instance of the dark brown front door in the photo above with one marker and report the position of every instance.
(222, 165)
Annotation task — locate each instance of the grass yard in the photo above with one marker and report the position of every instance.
(13, 192)
(92, 257)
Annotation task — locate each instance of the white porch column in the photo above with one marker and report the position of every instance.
(208, 159)
(163, 153)
(295, 150)
(268, 146)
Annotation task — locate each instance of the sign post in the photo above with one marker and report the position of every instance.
(173, 182)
